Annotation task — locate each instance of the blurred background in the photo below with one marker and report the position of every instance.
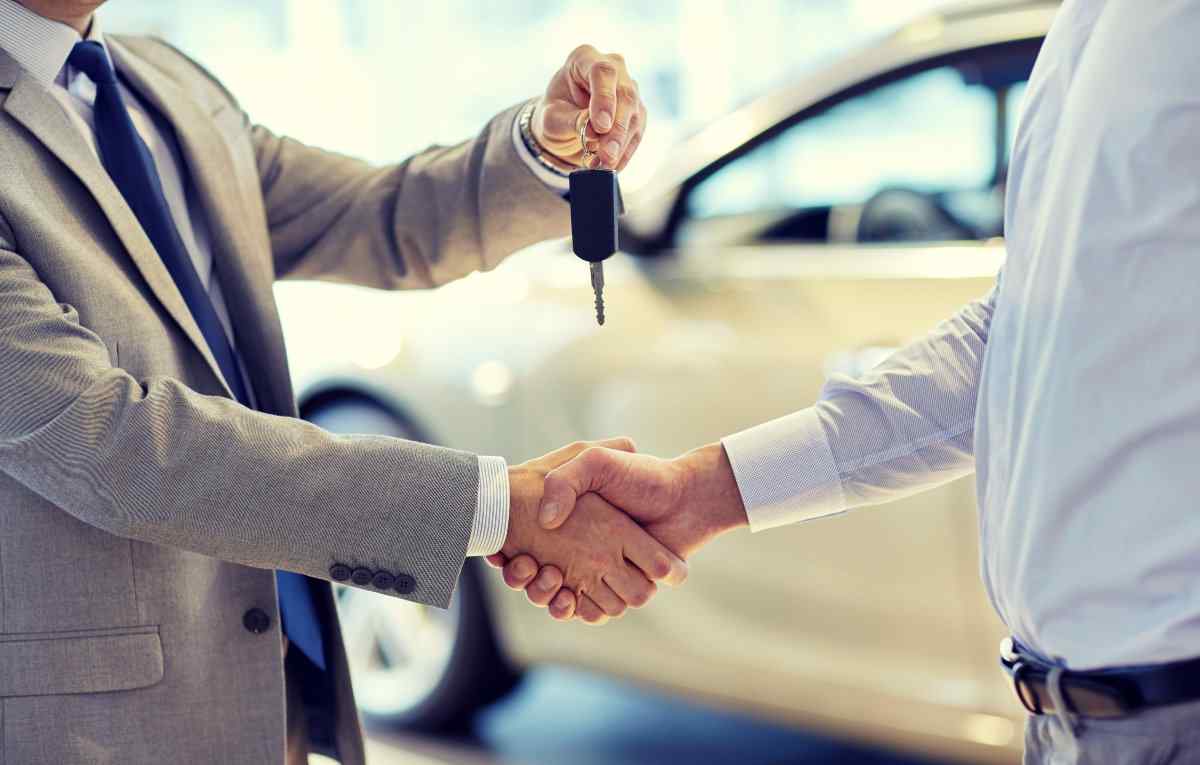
(822, 180)
(393, 76)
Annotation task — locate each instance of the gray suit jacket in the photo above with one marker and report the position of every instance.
(141, 509)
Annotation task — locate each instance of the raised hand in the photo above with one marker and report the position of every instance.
(595, 89)
(599, 554)
(684, 503)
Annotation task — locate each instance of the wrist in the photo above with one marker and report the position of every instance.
(710, 488)
(524, 493)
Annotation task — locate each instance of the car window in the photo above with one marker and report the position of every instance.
(927, 142)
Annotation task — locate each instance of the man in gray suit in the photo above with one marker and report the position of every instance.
(156, 488)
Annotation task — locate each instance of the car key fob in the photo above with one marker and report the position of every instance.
(594, 209)
(595, 204)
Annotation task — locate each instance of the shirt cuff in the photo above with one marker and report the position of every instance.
(785, 471)
(553, 181)
(489, 529)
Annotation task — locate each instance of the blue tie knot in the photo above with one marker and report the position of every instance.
(90, 58)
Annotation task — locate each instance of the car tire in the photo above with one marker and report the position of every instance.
(414, 667)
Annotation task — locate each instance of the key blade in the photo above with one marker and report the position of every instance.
(598, 288)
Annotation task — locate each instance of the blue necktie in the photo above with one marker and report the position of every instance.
(132, 168)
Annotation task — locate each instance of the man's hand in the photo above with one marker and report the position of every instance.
(609, 562)
(546, 590)
(595, 88)
(684, 502)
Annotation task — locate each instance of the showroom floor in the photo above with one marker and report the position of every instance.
(565, 716)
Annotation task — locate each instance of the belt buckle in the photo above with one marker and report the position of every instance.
(1083, 696)
(1024, 689)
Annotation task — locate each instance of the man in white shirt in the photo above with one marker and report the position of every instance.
(1071, 389)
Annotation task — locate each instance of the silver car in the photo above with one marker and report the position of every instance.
(811, 231)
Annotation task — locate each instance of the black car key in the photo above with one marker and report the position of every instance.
(595, 204)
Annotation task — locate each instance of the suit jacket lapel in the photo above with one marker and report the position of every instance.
(245, 280)
(34, 106)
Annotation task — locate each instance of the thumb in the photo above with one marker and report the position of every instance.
(589, 471)
(639, 484)
(559, 132)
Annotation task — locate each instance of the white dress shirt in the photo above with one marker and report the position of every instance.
(41, 46)
(1074, 387)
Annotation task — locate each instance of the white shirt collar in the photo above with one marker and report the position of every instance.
(38, 44)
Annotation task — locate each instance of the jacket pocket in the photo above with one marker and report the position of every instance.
(51, 664)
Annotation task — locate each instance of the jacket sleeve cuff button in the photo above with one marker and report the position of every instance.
(405, 584)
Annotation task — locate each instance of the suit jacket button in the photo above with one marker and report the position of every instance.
(383, 580)
(339, 572)
(256, 620)
(405, 584)
(362, 576)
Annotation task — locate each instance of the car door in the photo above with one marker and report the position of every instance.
(838, 240)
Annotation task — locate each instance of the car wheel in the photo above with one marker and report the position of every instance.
(414, 666)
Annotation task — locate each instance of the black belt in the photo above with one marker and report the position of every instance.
(1100, 693)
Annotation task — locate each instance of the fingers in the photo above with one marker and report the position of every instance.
(520, 571)
(564, 605)
(620, 443)
(498, 560)
(615, 110)
(544, 586)
(614, 143)
(610, 603)
(655, 561)
(589, 612)
(571, 451)
(636, 131)
(631, 585)
(601, 74)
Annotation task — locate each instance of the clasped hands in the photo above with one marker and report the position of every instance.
(594, 526)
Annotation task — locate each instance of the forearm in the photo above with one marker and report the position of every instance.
(906, 426)
(161, 463)
(433, 218)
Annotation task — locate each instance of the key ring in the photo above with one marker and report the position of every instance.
(588, 154)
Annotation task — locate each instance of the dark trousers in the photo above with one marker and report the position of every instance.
(310, 720)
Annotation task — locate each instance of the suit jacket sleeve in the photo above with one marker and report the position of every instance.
(156, 461)
(428, 220)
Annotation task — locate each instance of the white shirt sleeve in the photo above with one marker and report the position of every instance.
(489, 529)
(906, 426)
(553, 180)
(785, 471)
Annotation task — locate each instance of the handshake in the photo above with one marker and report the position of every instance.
(593, 526)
